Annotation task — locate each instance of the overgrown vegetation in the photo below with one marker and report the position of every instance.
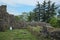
(37, 31)
(45, 12)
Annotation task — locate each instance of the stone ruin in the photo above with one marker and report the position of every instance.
(6, 19)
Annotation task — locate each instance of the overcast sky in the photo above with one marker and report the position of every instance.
(16, 7)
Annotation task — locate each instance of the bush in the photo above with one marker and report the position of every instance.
(53, 21)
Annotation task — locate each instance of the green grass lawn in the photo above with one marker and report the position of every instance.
(21, 34)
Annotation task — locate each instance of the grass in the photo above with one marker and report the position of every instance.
(21, 34)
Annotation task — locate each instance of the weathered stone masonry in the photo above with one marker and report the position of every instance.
(6, 20)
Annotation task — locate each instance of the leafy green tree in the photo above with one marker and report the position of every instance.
(23, 16)
(30, 16)
(17, 18)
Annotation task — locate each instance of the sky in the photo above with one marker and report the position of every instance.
(16, 7)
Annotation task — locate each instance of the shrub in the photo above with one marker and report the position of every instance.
(53, 21)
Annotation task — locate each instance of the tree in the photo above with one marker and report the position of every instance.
(58, 18)
(49, 11)
(44, 11)
(59, 11)
(25, 16)
(37, 12)
(17, 18)
(30, 16)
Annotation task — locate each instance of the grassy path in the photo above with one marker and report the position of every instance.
(21, 34)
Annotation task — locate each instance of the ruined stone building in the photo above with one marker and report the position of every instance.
(6, 20)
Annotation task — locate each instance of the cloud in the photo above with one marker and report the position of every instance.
(15, 2)
(13, 5)
(26, 2)
(7, 2)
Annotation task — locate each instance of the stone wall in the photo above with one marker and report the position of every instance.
(6, 19)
